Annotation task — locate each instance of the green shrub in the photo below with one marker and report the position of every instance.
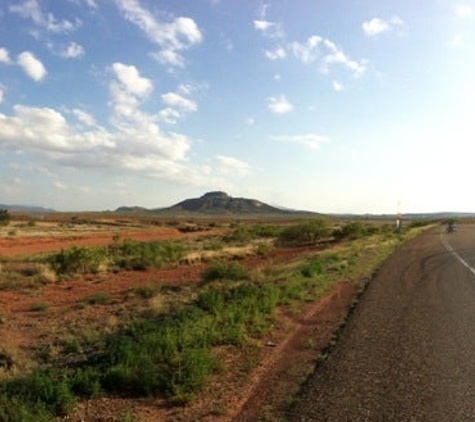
(5, 217)
(306, 233)
(224, 271)
(43, 394)
(313, 268)
(77, 260)
(98, 298)
(135, 255)
(354, 230)
(39, 307)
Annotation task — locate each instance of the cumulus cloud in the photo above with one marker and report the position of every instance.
(179, 102)
(233, 166)
(309, 140)
(327, 54)
(280, 105)
(30, 9)
(315, 49)
(72, 51)
(84, 117)
(377, 26)
(173, 37)
(31, 66)
(4, 56)
(131, 142)
(178, 105)
(278, 54)
(131, 80)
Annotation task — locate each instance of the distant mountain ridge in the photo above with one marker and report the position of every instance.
(25, 208)
(220, 203)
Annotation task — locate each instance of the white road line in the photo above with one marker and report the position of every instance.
(448, 246)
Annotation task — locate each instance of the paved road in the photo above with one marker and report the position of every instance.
(408, 352)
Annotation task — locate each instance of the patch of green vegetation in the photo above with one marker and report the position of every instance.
(129, 255)
(221, 270)
(39, 307)
(305, 233)
(98, 298)
(242, 234)
(5, 217)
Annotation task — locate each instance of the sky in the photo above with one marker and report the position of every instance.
(333, 106)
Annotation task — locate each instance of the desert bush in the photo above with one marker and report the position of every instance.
(247, 233)
(39, 307)
(354, 230)
(141, 255)
(98, 298)
(305, 233)
(221, 270)
(5, 217)
(77, 260)
(36, 397)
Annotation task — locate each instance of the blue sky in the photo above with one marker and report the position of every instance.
(357, 106)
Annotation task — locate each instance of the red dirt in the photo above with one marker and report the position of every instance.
(10, 247)
(285, 359)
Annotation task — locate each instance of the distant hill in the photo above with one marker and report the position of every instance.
(220, 203)
(26, 208)
(132, 209)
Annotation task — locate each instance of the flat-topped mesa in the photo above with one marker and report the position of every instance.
(220, 202)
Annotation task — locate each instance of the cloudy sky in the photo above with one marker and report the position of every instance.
(359, 106)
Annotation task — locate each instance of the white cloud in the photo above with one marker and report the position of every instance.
(280, 105)
(32, 66)
(169, 115)
(338, 86)
(179, 102)
(277, 54)
(310, 51)
(172, 37)
(84, 117)
(177, 105)
(326, 53)
(131, 80)
(30, 9)
(269, 29)
(377, 26)
(233, 166)
(1, 95)
(309, 140)
(4, 56)
(91, 3)
(58, 185)
(463, 11)
(72, 51)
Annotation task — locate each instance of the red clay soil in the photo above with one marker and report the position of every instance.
(237, 394)
(10, 247)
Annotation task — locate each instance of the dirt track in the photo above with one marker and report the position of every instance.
(408, 352)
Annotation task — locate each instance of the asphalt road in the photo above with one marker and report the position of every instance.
(408, 351)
